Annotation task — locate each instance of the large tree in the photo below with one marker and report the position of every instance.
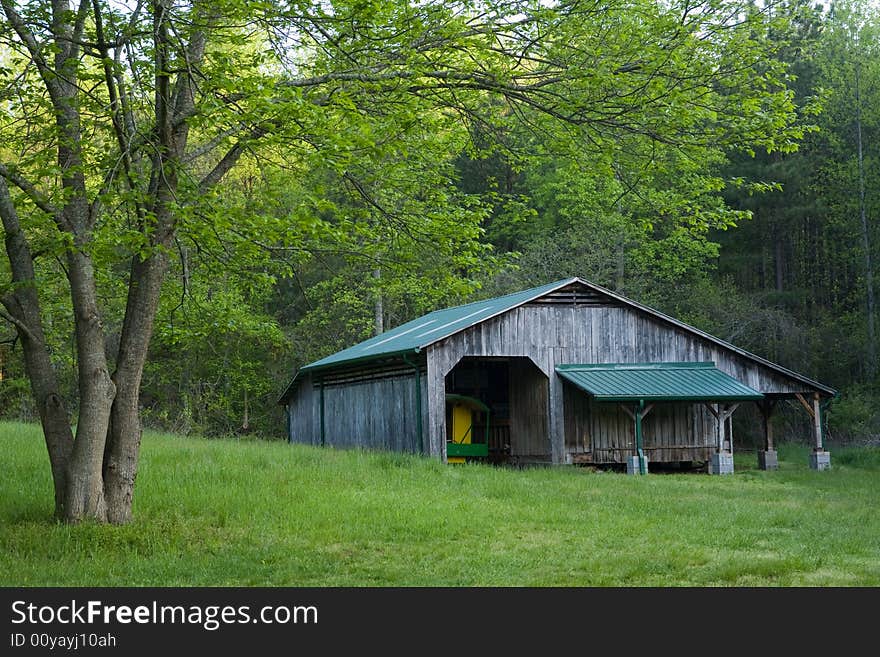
(122, 120)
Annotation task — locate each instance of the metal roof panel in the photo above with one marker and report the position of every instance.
(657, 382)
(437, 325)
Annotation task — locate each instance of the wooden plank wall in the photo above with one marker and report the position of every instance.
(302, 413)
(436, 426)
(373, 414)
(554, 334)
(603, 433)
(578, 427)
(529, 433)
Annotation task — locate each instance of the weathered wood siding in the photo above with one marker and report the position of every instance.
(376, 413)
(603, 433)
(553, 334)
(529, 391)
(302, 413)
(579, 430)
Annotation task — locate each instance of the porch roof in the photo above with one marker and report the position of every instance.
(620, 382)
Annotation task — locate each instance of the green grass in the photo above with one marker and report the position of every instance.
(211, 513)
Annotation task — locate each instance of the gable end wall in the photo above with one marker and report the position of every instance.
(552, 335)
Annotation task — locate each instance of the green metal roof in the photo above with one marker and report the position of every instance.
(430, 328)
(657, 382)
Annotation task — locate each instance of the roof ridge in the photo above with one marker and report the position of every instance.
(503, 296)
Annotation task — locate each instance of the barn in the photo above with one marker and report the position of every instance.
(568, 372)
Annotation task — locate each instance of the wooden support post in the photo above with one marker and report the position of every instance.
(817, 423)
(727, 414)
(767, 407)
(722, 460)
(767, 457)
(638, 463)
(555, 419)
(722, 413)
(819, 458)
(435, 439)
(321, 403)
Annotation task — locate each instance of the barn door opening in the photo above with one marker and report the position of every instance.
(516, 394)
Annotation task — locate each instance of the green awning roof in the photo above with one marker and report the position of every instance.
(657, 382)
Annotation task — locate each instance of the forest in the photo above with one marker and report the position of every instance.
(199, 197)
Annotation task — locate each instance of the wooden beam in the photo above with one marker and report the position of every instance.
(727, 411)
(805, 404)
(766, 406)
(711, 409)
(632, 416)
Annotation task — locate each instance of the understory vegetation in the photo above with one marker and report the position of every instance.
(742, 199)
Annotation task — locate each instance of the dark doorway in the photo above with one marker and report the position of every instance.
(488, 381)
(516, 393)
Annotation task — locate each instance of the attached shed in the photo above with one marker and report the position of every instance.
(568, 372)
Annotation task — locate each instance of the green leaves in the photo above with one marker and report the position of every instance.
(324, 143)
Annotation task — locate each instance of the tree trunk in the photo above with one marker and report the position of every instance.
(23, 306)
(378, 306)
(124, 440)
(778, 260)
(85, 489)
(95, 473)
(145, 283)
(620, 268)
(871, 355)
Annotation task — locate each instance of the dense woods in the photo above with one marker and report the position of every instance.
(199, 197)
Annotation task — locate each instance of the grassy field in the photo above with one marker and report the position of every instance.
(211, 513)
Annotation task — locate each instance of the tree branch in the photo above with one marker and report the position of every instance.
(110, 81)
(17, 323)
(30, 42)
(209, 146)
(229, 160)
(78, 28)
(379, 75)
(38, 199)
